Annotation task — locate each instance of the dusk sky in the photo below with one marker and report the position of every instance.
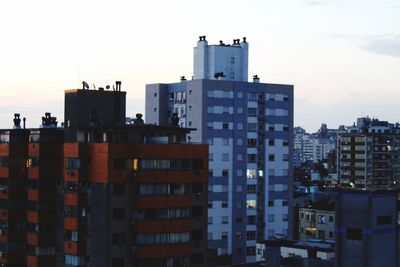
(343, 57)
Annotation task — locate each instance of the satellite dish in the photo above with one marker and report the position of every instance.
(108, 87)
(85, 85)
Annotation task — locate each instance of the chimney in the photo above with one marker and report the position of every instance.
(256, 79)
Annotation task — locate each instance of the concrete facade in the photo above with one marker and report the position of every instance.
(248, 127)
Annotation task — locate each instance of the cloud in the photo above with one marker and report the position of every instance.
(387, 45)
(324, 2)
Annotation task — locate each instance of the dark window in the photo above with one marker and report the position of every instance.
(119, 189)
(197, 188)
(251, 235)
(197, 235)
(239, 219)
(117, 262)
(118, 213)
(197, 211)
(354, 234)
(382, 220)
(225, 173)
(197, 258)
(251, 251)
(251, 219)
(271, 142)
(225, 125)
(118, 238)
(270, 203)
(119, 164)
(271, 157)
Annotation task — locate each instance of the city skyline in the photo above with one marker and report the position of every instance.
(341, 56)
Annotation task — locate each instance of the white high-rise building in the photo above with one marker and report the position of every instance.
(248, 126)
(222, 62)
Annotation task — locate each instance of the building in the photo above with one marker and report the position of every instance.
(223, 61)
(248, 127)
(368, 155)
(101, 193)
(313, 147)
(295, 253)
(367, 231)
(317, 220)
(13, 196)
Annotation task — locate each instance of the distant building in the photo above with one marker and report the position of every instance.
(248, 126)
(317, 220)
(313, 147)
(368, 155)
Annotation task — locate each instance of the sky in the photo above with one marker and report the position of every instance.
(342, 56)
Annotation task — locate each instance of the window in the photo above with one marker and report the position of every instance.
(252, 112)
(239, 157)
(271, 142)
(251, 173)
(232, 60)
(225, 173)
(239, 235)
(252, 96)
(271, 157)
(284, 203)
(251, 219)
(224, 204)
(225, 157)
(321, 234)
(354, 234)
(330, 219)
(239, 142)
(270, 203)
(239, 110)
(271, 218)
(239, 188)
(197, 188)
(321, 219)
(210, 220)
(224, 219)
(210, 236)
(251, 235)
(271, 128)
(284, 217)
(285, 143)
(240, 126)
(382, 220)
(251, 204)
(118, 213)
(251, 251)
(118, 189)
(225, 125)
(251, 188)
(252, 127)
(251, 158)
(239, 219)
(210, 205)
(225, 141)
(285, 157)
(239, 172)
(252, 142)
(118, 238)
(224, 235)
(210, 156)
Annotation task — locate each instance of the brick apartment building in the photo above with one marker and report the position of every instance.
(98, 192)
